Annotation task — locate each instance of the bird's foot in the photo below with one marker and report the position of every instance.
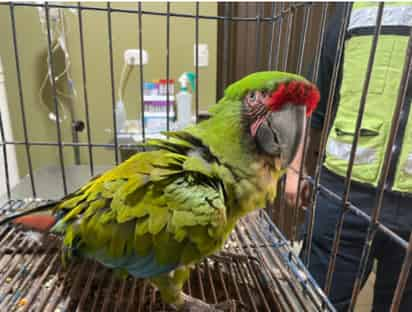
(192, 304)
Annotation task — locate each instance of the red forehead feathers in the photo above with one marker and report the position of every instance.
(296, 92)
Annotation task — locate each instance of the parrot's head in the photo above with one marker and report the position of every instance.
(274, 106)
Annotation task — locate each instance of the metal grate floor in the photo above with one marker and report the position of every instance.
(266, 277)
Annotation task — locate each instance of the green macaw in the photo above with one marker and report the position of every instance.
(161, 211)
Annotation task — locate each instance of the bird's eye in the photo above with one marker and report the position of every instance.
(252, 96)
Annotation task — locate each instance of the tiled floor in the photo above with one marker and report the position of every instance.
(365, 297)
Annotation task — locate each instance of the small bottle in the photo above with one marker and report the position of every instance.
(184, 99)
(120, 113)
(172, 86)
(147, 86)
(155, 90)
(162, 87)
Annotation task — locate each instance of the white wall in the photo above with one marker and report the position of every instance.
(11, 152)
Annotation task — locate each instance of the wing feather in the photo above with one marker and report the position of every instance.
(160, 202)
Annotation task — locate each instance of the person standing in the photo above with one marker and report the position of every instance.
(382, 96)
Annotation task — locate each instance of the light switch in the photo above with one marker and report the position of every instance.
(203, 55)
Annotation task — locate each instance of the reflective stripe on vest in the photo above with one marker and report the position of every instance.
(407, 167)
(341, 150)
(366, 17)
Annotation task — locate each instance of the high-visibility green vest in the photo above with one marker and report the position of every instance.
(381, 99)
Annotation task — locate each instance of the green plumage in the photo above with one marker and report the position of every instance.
(181, 201)
(133, 206)
(258, 81)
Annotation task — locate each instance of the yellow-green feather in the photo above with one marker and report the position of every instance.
(181, 201)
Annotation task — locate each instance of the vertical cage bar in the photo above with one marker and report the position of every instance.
(167, 65)
(210, 279)
(87, 288)
(315, 73)
(197, 60)
(226, 39)
(361, 111)
(291, 16)
(132, 296)
(72, 112)
(200, 283)
(403, 278)
(86, 99)
(6, 163)
(282, 202)
(4, 147)
(314, 78)
(140, 40)
(271, 37)
(279, 33)
(306, 14)
(325, 130)
(307, 10)
(109, 26)
(56, 105)
(259, 9)
(403, 86)
(23, 111)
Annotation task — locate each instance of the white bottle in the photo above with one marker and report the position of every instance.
(184, 100)
(120, 116)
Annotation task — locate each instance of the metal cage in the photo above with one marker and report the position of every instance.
(280, 281)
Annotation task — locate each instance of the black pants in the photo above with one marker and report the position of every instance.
(388, 254)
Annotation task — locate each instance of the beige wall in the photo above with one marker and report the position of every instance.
(32, 46)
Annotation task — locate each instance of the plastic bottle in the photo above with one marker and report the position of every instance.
(155, 90)
(147, 88)
(184, 99)
(171, 84)
(120, 116)
(162, 87)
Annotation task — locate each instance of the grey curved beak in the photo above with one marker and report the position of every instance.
(281, 133)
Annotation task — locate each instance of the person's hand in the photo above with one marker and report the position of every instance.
(291, 190)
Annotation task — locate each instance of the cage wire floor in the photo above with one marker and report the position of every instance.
(266, 277)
